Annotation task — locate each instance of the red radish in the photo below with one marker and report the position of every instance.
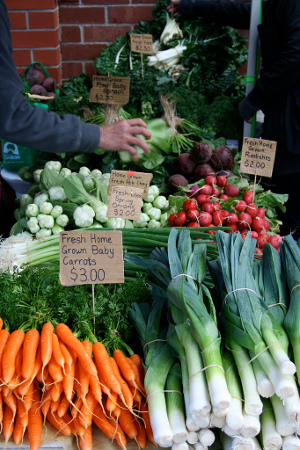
(244, 231)
(231, 219)
(240, 205)
(225, 213)
(189, 204)
(192, 215)
(201, 198)
(267, 224)
(205, 219)
(275, 241)
(234, 228)
(217, 218)
(194, 190)
(215, 192)
(216, 206)
(257, 224)
(221, 181)
(248, 197)
(211, 180)
(231, 190)
(244, 220)
(171, 220)
(180, 219)
(258, 252)
(254, 234)
(261, 212)
(262, 240)
(207, 207)
(193, 225)
(211, 231)
(224, 197)
(252, 210)
(206, 189)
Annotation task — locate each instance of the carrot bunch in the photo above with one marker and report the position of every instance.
(53, 376)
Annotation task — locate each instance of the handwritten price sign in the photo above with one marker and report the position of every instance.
(125, 202)
(258, 156)
(141, 43)
(91, 257)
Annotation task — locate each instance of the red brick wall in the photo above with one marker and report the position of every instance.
(67, 35)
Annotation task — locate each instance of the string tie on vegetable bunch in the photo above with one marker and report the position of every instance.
(160, 392)
(297, 285)
(206, 367)
(256, 356)
(277, 304)
(184, 275)
(151, 342)
(240, 289)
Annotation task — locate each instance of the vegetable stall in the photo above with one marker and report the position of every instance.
(197, 347)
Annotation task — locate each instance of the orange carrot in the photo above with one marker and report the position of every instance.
(87, 409)
(66, 335)
(45, 404)
(137, 398)
(19, 431)
(13, 345)
(28, 397)
(126, 421)
(1, 411)
(4, 335)
(69, 421)
(59, 424)
(86, 441)
(57, 353)
(146, 418)
(68, 379)
(55, 370)
(125, 367)
(103, 365)
(103, 385)
(96, 389)
(30, 346)
(79, 429)
(63, 406)
(76, 407)
(10, 399)
(1, 323)
(83, 375)
(56, 391)
(137, 380)
(141, 437)
(46, 344)
(23, 388)
(127, 394)
(65, 352)
(35, 422)
(22, 413)
(54, 406)
(110, 430)
(139, 364)
(8, 424)
(111, 403)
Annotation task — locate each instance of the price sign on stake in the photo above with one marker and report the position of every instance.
(141, 43)
(130, 178)
(91, 257)
(125, 202)
(258, 156)
(110, 90)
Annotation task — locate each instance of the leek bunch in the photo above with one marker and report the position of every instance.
(166, 59)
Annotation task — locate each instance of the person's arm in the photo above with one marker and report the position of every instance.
(229, 13)
(36, 128)
(285, 71)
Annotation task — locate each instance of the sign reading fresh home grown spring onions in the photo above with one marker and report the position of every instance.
(125, 202)
(91, 257)
(258, 156)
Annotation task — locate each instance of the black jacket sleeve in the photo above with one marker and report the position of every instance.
(229, 13)
(284, 73)
(32, 126)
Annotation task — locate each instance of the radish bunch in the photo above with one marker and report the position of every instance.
(206, 206)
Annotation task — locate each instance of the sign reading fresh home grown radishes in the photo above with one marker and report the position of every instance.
(258, 156)
(91, 257)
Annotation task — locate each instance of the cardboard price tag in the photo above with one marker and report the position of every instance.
(130, 178)
(125, 202)
(91, 257)
(110, 90)
(258, 156)
(141, 43)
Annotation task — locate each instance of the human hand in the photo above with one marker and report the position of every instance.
(174, 7)
(122, 136)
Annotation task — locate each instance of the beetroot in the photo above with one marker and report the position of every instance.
(50, 84)
(201, 152)
(185, 164)
(34, 76)
(202, 171)
(38, 89)
(231, 190)
(175, 181)
(222, 158)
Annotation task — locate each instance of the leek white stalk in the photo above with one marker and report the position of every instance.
(199, 446)
(291, 443)
(154, 383)
(270, 437)
(192, 437)
(218, 422)
(253, 404)
(206, 437)
(229, 431)
(202, 421)
(180, 446)
(264, 386)
(237, 443)
(234, 417)
(199, 398)
(292, 408)
(164, 60)
(175, 405)
(283, 425)
(251, 426)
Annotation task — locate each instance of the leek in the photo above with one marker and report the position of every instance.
(234, 417)
(270, 436)
(175, 405)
